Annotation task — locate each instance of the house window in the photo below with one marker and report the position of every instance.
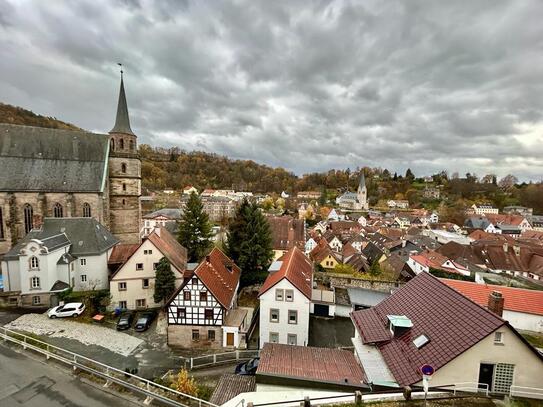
(291, 339)
(1, 225)
(195, 335)
(122, 286)
(278, 294)
(83, 262)
(140, 303)
(83, 278)
(139, 266)
(208, 314)
(29, 217)
(181, 313)
(203, 296)
(86, 210)
(274, 315)
(194, 281)
(122, 304)
(155, 266)
(36, 300)
(145, 283)
(289, 295)
(58, 211)
(274, 337)
(35, 282)
(123, 168)
(211, 335)
(34, 263)
(498, 338)
(186, 295)
(292, 316)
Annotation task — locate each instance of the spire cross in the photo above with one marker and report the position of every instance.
(121, 65)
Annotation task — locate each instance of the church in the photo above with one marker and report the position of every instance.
(355, 201)
(53, 173)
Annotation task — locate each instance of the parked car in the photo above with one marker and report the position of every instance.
(248, 368)
(125, 320)
(72, 309)
(144, 321)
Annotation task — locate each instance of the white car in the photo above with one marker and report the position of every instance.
(72, 309)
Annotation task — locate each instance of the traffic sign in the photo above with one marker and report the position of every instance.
(427, 370)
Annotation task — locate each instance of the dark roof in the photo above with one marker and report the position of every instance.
(230, 385)
(372, 252)
(323, 365)
(122, 121)
(59, 286)
(86, 235)
(172, 213)
(52, 160)
(452, 322)
(66, 258)
(55, 242)
(286, 232)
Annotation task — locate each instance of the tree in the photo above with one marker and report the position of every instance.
(375, 269)
(508, 181)
(183, 383)
(322, 198)
(195, 229)
(249, 243)
(164, 281)
(409, 175)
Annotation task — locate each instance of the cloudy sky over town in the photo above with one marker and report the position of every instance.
(304, 85)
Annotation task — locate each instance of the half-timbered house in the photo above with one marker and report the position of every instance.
(203, 311)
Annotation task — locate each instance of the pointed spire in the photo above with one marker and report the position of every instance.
(122, 121)
(362, 183)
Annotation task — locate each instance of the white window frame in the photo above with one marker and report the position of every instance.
(34, 302)
(274, 334)
(290, 336)
(142, 302)
(83, 278)
(289, 293)
(295, 313)
(123, 304)
(498, 338)
(83, 262)
(273, 320)
(122, 286)
(143, 285)
(35, 283)
(34, 263)
(279, 294)
(139, 266)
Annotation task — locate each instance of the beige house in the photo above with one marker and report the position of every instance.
(133, 284)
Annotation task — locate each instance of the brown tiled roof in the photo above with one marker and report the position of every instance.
(452, 322)
(121, 253)
(286, 232)
(309, 363)
(297, 269)
(230, 385)
(344, 225)
(321, 251)
(508, 219)
(170, 248)
(348, 250)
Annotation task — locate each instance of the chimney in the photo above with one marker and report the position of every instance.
(208, 259)
(495, 303)
(506, 247)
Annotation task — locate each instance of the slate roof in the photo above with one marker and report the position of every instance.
(322, 365)
(86, 235)
(122, 121)
(52, 160)
(172, 213)
(452, 322)
(297, 269)
(230, 385)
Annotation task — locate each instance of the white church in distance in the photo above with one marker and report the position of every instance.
(355, 201)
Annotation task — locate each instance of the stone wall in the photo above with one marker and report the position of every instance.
(181, 335)
(335, 280)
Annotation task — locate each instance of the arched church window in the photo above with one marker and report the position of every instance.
(123, 168)
(58, 211)
(86, 210)
(112, 144)
(28, 213)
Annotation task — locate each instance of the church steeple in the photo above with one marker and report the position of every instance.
(362, 183)
(122, 121)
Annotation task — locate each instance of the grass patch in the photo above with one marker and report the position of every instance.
(534, 338)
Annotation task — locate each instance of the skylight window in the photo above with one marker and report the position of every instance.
(420, 341)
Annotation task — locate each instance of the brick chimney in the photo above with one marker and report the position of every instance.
(495, 303)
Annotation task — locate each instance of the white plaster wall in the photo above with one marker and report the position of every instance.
(96, 271)
(524, 321)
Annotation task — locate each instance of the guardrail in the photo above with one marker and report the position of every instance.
(528, 392)
(218, 358)
(470, 387)
(149, 389)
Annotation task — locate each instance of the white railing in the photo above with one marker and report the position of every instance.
(528, 392)
(471, 387)
(110, 374)
(218, 358)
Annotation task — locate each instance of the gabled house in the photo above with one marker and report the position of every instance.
(428, 322)
(426, 260)
(132, 286)
(333, 241)
(285, 300)
(324, 255)
(310, 244)
(203, 310)
(286, 232)
(166, 217)
(189, 189)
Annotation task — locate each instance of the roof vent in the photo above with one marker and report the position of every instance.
(420, 341)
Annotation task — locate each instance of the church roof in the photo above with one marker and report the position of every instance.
(122, 121)
(52, 160)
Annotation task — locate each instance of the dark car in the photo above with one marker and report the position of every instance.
(144, 321)
(248, 368)
(125, 320)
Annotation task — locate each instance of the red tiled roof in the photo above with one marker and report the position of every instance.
(121, 253)
(170, 248)
(430, 259)
(515, 299)
(452, 322)
(221, 282)
(309, 363)
(286, 232)
(296, 268)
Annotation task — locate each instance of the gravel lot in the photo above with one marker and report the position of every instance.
(87, 334)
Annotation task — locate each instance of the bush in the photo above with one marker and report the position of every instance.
(452, 276)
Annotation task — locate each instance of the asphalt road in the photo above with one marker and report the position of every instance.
(28, 382)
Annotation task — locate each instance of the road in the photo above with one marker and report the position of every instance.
(28, 382)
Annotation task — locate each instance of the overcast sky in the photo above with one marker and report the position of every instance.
(431, 85)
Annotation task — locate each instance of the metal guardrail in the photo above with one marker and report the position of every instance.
(110, 374)
(470, 387)
(218, 358)
(528, 392)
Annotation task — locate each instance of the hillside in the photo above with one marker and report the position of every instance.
(17, 115)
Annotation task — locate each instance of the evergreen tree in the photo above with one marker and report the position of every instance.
(249, 243)
(375, 269)
(164, 281)
(409, 175)
(195, 229)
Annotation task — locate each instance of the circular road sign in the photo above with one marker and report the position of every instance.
(427, 370)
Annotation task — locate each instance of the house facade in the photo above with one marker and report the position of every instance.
(161, 218)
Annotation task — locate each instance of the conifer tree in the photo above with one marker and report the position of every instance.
(164, 281)
(375, 269)
(195, 229)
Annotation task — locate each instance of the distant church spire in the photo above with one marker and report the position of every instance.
(122, 121)
(362, 183)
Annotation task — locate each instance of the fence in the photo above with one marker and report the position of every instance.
(218, 358)
(528, 392)
(470, 387)
(147, 388)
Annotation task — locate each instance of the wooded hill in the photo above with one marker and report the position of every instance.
(17, 115)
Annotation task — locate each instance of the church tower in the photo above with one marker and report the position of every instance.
(362, 193)
(124, 177)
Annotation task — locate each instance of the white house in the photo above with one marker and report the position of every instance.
(63, 253)
(310, 244)
(363, 221)
(132, 286)
(422, 262)
(285, 300)
(483, 209)
(189, 189)
(161, 218)
(399, 203)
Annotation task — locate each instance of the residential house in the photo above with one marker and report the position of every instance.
(428, 322)
(333, 241)
(324, 256)
(536, 221)
(132, 286)
(481, 223)
(398, 203)
(166, 217)
(217, 207)
(63, 253)
(512, 221)
(309, 195)
(483, 209)
(518, 210)
(203, 311)
(286, 232)
(310, 244)
(444, 236)
(189, 189)
(285, 299)
(424, 261)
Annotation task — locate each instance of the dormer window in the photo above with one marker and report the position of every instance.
(34, 263)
